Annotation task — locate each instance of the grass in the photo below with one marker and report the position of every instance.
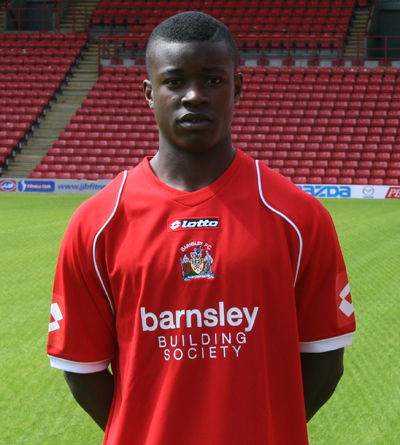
(37, 407)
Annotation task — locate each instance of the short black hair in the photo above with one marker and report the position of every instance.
(191, 26)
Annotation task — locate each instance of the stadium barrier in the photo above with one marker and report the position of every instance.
(75, 186)
(46, 16)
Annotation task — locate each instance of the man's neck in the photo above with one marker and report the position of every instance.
(186, 171)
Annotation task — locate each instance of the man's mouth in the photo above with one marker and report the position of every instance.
(195, 118)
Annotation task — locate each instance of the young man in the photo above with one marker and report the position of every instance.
(213, 286)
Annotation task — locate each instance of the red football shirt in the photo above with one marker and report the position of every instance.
(202, 303)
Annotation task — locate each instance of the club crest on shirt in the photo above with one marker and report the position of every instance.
(196, 261)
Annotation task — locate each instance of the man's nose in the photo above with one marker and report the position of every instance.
(195, 95)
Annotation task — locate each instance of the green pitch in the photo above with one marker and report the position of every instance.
(36, 406)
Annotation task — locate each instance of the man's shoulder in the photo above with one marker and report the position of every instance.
(286, 197)
(92, 214)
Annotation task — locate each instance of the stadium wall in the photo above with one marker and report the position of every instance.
(74, 186)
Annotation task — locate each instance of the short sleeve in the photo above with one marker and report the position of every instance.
(324, 306)
(81, 334)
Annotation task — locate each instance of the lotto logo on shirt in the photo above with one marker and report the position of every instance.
(193, 223)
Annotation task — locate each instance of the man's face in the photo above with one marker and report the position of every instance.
(193, 89)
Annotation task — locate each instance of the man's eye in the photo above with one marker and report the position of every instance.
(174, 82)
(214, 80)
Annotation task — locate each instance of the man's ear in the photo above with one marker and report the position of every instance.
(238, 86)
(148, 92)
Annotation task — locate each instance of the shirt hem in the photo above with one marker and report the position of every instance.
(78, 367)
(329, 344)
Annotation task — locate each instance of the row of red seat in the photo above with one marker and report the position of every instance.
(257, 116)
(82, 145)
(31, 44)
(52, 86)
(31, 77)
(108, 129)
(251, 17)
(116, 95)
(336, 71)
(22, 102)
(254, 133)
(34, 69)
(342, 111)
(318, 88)
(28, 94)
(10, 134)
(356, 160)
(335, 172)
(36, 60)
(30, 118)
(34, 110)
(293, 24)
(43, 35)
(269, 83)
(87, 118)
(104, 137)
(90, 163)
(254, 96)
(229, 4)
(257, 70)
(100, 149)
(320, 27)
(322, 79)
(132, 115)
(66, 150)
(330, 121)
(67, 175)
(357, 142)
(224, 15)
(300, 103)
(247, 124)
(336, 155)
(14, 126)
(40, 52)
(258, 133)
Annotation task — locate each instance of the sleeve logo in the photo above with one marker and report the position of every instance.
(344, 303)
(56, 314)
(346, 306)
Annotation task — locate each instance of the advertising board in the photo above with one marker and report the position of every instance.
(75, 186)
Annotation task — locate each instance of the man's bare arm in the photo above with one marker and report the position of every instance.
(321, 374)
(94, 393)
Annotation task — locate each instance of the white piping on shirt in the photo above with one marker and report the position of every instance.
(98, 234)
(284, 217)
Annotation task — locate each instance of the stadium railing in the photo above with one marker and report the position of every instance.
(21, 17)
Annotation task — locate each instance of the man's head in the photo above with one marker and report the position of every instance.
(191, 26)
(193, 86)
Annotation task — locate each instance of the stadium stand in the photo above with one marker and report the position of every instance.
(334, 124)
(33, 67)
(317, 125)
